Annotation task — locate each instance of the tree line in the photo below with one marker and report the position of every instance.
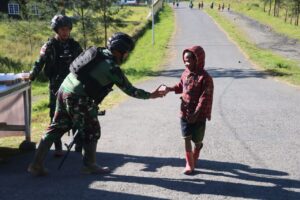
(88, 14)
(290, 8)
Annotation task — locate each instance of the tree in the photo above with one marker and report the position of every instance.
(297, 2)
(108, 10)
(49, 8)
(285, 6)
(265, 4)
(89, 12)
(270, 7)
(277, 5)
(83, 12)
(291, 8)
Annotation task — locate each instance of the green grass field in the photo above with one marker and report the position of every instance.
(15, 49)
(144, 60)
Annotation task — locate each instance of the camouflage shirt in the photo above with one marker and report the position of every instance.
(106, 72)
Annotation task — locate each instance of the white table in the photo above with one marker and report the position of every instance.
(15, 112)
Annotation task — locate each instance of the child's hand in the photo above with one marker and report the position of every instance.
(159, 92)
(163, 88)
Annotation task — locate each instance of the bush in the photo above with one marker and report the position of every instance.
(9, 65)
(251, 6)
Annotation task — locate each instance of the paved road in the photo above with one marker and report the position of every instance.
(264, 37)
(251, 147)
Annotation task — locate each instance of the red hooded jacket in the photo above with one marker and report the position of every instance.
(197, 88)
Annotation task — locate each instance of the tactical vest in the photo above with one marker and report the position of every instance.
(59, 59)
(81, 68)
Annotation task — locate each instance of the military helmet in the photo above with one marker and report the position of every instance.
(59, 21)
(121, 42)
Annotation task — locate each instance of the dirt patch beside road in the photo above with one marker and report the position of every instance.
(264, 37)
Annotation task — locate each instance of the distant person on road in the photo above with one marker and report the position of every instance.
(93, 74)
(201, 5)
(191, 5)
(55, 57)
(196, 88)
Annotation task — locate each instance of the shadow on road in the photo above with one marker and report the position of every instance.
(213, 177)
(225, 72)
(265, 183)
(214, 72)
(236, 73)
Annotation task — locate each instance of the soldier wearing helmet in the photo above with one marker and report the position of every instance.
(55, 58)
(78, 98)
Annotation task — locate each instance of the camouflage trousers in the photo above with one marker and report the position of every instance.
(52, 103)
(53, 89)
(54, 85)
(74, 112)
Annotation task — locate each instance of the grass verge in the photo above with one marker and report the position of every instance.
(254, 9)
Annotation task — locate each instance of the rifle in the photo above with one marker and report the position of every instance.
(69, 146)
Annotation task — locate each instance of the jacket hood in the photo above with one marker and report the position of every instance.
(199, 53)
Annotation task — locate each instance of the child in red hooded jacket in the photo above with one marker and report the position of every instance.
(196, 88)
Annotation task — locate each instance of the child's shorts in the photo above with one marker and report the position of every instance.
(195, 131)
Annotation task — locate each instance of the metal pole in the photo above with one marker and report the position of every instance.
(153, 22)
(27, 107)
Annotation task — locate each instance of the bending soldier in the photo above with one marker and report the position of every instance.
(79, 95)
(55, 57)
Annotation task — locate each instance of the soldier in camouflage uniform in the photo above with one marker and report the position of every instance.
(55, 57)
(78, 99)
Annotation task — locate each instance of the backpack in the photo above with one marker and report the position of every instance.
(81, 68)
(86, 60)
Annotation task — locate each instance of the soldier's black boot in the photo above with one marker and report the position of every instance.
(58, 148)
(37, 168)
(78, 148)
(78, 143)
(89, 160)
